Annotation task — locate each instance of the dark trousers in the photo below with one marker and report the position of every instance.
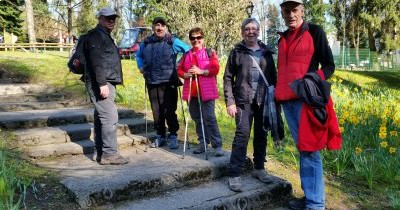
(211, 130)
(105, 119)
(164, 100)
(244, 119)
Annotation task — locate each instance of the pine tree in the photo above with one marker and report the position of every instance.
(10, 16)
(274, 27)
(86, 18)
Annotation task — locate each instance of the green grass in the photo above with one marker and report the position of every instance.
(16, 175)
(365, 102)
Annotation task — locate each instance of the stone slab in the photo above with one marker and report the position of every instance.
(75, 132)
(53, 117)
(215, 195)
(147, 173)
(24, 88)
(21, 106)
(32, 97)
(72, 148)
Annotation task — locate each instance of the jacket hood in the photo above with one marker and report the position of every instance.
(241, 47)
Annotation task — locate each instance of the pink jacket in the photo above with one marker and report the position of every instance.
(207, 84)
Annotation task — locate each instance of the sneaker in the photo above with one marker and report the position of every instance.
(261, 175)
(235, 184)
(298, 204)
(173, 142)
(219, 152)
(113, 160)
(200, 149)
(158, 142)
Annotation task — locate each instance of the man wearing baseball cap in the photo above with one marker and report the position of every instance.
(156, 60)
(103, 73)
(301, 50)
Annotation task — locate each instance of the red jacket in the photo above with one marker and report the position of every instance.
(313, 135)
(308, 49)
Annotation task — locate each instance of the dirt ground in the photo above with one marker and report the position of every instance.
(48, 194)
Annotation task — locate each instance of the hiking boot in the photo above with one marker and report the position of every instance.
(261, 175)
(235, 184)
(113, 160)
(200, 149)
(219, 152)
(158, 142)
(173, 142)
(298, 204)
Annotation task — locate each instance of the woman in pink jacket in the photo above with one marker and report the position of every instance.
(202, 63)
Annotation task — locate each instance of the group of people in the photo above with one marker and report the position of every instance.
(305, 61)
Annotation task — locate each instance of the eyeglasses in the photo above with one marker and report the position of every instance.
(192, 38)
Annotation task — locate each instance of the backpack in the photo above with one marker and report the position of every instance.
(77, 61)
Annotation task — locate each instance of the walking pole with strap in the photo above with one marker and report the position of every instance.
(201, 117)
(145, 117)
(187, 120)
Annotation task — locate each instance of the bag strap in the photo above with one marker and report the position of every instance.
(259, 69)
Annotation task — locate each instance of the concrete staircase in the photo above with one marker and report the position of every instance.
(56, 132)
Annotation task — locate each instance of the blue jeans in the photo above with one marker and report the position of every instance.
(211, 130)
(311, 171)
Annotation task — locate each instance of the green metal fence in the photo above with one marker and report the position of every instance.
(366, 60)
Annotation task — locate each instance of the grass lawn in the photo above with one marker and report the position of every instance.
(365, 174)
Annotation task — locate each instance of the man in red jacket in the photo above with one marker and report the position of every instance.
(302, 49)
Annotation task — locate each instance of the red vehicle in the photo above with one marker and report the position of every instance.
(131, 39)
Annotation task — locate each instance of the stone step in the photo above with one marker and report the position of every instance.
(32, 97)
(74, 132)
(215, 195)
(76, 148)
(53, 117)
(25, 88)
(148, 173)
(36, 105)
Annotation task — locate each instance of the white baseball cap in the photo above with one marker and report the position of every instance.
(295, 1)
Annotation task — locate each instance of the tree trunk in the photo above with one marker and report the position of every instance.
(371, 39)
(69, 40)
(30, 23)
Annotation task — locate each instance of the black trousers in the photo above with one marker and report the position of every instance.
(164, 100)
(244, 120)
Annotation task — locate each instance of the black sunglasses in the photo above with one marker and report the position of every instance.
(192, 38)
(110, 18)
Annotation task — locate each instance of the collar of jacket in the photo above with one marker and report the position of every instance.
(241, 47)
(102, 29)
(304, 27)
(154, 38)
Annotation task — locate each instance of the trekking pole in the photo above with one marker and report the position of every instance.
(187, 120)
(201, 117)
(183, 113)
(145, 117)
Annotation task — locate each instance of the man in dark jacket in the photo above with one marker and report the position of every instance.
(156, 60)
(244, 91)
(302, 49)
(103, 73)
